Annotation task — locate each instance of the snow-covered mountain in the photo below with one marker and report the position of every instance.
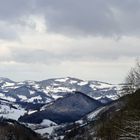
(49, 90)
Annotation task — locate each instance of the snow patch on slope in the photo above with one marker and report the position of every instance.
(11, 113)
(61, 79)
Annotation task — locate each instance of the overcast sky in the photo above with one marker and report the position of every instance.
(87, 39)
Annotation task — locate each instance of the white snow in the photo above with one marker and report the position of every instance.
(11, 113)
(97, 98)
(1, 95)
(9, 84)
(56, 96)
(101, 85)
(82, 83)
(48, 130)
(79, 121)
(36, 86)
(33, 98)
(45, 91)
(58, 89)
(32, 111)
(8, 98)
(21, 83)
(73, 81)
(47, 123)
(30, 82)
(94, 114)
(61, 79)
(54, 84)
(113, 97)
(31, 92)
(22, 97)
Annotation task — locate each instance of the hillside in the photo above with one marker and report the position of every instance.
(67, 109)
(125, 124)
(119, 123)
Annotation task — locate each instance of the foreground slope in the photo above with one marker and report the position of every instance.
(120, 121)
(125, 124)
(67, 109)
(12, 130)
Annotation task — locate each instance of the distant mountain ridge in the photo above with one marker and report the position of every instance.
(49, 90)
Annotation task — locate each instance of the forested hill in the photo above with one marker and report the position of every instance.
(114, 124)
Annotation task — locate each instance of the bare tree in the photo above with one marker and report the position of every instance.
(133, 78)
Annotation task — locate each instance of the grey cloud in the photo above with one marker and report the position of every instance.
(13, 10)
(92, 17)
(80, 17)
(11, 14)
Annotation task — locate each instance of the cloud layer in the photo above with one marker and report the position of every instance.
(48, 36)
(90, 17)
